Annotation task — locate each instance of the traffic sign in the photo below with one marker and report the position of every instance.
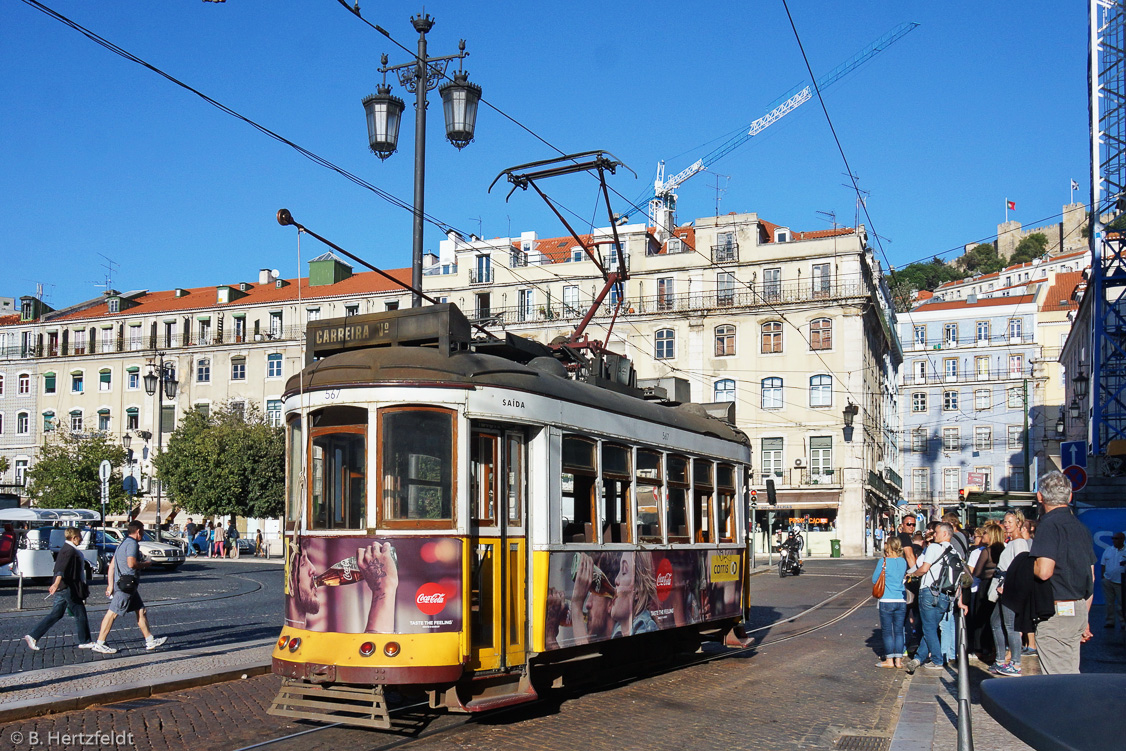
(129, 485)
(1078, 477)
(104, 470)
(977, 479)
(1073, 453)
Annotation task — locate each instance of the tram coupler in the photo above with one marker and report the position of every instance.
(736, 636)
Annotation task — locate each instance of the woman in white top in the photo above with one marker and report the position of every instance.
(1003, 614)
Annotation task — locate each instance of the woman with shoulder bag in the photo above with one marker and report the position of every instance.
(893, 602)
(985, 637)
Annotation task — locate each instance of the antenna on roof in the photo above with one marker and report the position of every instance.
(829, 216)
(110, 265)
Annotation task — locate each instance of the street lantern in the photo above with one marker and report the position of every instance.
(850, 413)
(384, 112)
(160, 381)
(1059, 425)
(126, 440)
(1073, 410)
(459, 102)
(1082, 381)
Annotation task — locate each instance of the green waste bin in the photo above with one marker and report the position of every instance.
(834, 548)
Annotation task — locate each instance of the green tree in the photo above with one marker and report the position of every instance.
(982, 259)
(228, 462)
(919, 276)
(66, 474)
(4, 465)
(1033, 246)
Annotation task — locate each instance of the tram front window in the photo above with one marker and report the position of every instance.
(615, 493)
(649, 483)
(417, 468)
(725, 502)
(702, 500)
(338, 476)
(296, 447)
(579, 476)
(677, 498)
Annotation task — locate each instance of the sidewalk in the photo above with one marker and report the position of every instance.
(928, 717)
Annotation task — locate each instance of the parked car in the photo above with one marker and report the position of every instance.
(106, 546)
(168, 555)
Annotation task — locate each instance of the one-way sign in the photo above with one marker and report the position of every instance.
(1073, 454)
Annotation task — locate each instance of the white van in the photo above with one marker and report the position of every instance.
(35, 557)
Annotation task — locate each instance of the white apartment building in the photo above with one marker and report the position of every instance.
(793, 328)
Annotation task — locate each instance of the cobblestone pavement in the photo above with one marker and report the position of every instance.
(203, 604)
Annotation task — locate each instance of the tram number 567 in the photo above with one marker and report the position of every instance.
(331, 395)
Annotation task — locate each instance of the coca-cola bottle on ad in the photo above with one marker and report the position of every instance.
(346, 571)
(599, 582)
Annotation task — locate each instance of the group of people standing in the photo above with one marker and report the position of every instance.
(1024, 586)
(213, 541)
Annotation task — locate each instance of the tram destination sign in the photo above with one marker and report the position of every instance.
(444, 326)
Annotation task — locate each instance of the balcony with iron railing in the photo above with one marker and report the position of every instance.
(1002, 340)
(162, 341)
(799, 477)
(725, 253)
(968, 375)
(481, 276)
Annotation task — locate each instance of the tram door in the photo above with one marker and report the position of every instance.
(497, 597)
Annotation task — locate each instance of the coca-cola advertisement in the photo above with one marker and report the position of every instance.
(597, 595)
(373, 585)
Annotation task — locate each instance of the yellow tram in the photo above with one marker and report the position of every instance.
(466, 516)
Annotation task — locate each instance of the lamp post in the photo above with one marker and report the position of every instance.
(161, 381)
(384, 114)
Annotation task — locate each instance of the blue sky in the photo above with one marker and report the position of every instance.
(105, 159)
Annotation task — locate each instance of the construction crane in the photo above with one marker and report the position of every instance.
(662, 206)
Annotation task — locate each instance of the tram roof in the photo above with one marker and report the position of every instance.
(430, 366)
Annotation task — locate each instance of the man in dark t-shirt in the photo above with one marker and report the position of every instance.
(906, 530)
(1064, 557)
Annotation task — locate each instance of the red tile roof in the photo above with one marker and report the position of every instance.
(1017, 267)
(1061, 295)
(205, 298)
(982, 302)
(10, 320)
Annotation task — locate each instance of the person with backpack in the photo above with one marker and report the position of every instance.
(938, 586)
(232, 539)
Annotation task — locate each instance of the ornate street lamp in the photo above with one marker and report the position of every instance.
(1082, 381)
(1073, 410)
(159, 382)
(1060, 425)
(850, 413)
(384, 114)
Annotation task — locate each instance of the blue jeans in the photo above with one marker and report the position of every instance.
(892, 617)
(946, 630)
(932, 609)
(64, 601)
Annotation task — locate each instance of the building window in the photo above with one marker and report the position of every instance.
(23, 384)
(821, 457)
(1016, 365)
(949, 401)
(983, 399)
(76, 421)
(352, 310)
(724, 340)
(274, 365)
(132, 419)
(983, 438)
(2, 375)
(133, 379)
(821, 334)
(821, 391)
(79, 342)
(525, 304)
(820, 280)
(725, 288)
(665, 293)
(666, 344)
(1016, 438)
(951, 440)
(724, 390)
(204, 332)
(771, 337)
(275, 323)
(983, 332)
(772, 284)
(771, 457)
(1015, 398)
(135, 341)
(238, 409)
(919, 368)
(48, 421)
(919, 440)
(950, 367)
(107, 340)
(570, 300)
(920, 482)
(168, 418)
(950, 334)
(76, 383)
(203, 370)
(919, 401)
(105, 380)
(772, 393)
(103, 420)
(987, 477)
(391, 305)
(981, 368)
(920, 337)
(274, 412)
(1016, 479)
(48, 384)
(1015, 326)
(238, 368)
(23, 423)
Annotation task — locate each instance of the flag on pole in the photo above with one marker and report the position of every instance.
(1011, 205)
(1074, 185)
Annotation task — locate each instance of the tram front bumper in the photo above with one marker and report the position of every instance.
(349, 658)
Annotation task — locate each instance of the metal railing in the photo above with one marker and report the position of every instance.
(799, 477)
(149, 343)
(726, 253)
(970, 343)
(481, 276)
(966, 376)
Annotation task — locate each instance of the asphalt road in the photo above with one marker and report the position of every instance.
(810, 681)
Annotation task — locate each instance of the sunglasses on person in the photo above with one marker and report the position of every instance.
(909, 524)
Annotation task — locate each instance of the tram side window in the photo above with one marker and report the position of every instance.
(677, 498)
(616, 477)
(649, 483)
(702, 489)
(579, 476)
(338, 477)
(296, 447)
(725, 502)
(417, 465)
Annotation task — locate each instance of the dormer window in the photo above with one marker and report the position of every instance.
(114, 304)
(676, 245)
(782, 235)
(576, 254)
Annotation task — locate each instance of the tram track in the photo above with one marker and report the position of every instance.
(455, 722)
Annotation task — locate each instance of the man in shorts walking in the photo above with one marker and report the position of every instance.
(127, 562)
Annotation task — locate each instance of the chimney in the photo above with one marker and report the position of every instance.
(266, 276)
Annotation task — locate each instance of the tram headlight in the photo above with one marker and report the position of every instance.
(391, 648)
(367, 649)
(294, 643)
(283, 642)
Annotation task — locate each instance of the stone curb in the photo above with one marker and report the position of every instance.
(27, 708)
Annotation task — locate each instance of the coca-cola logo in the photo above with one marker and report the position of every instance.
(664, 579)
(430, 598)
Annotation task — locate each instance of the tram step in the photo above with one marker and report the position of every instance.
(350, 705)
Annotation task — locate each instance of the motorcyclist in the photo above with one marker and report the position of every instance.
(792, 547)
